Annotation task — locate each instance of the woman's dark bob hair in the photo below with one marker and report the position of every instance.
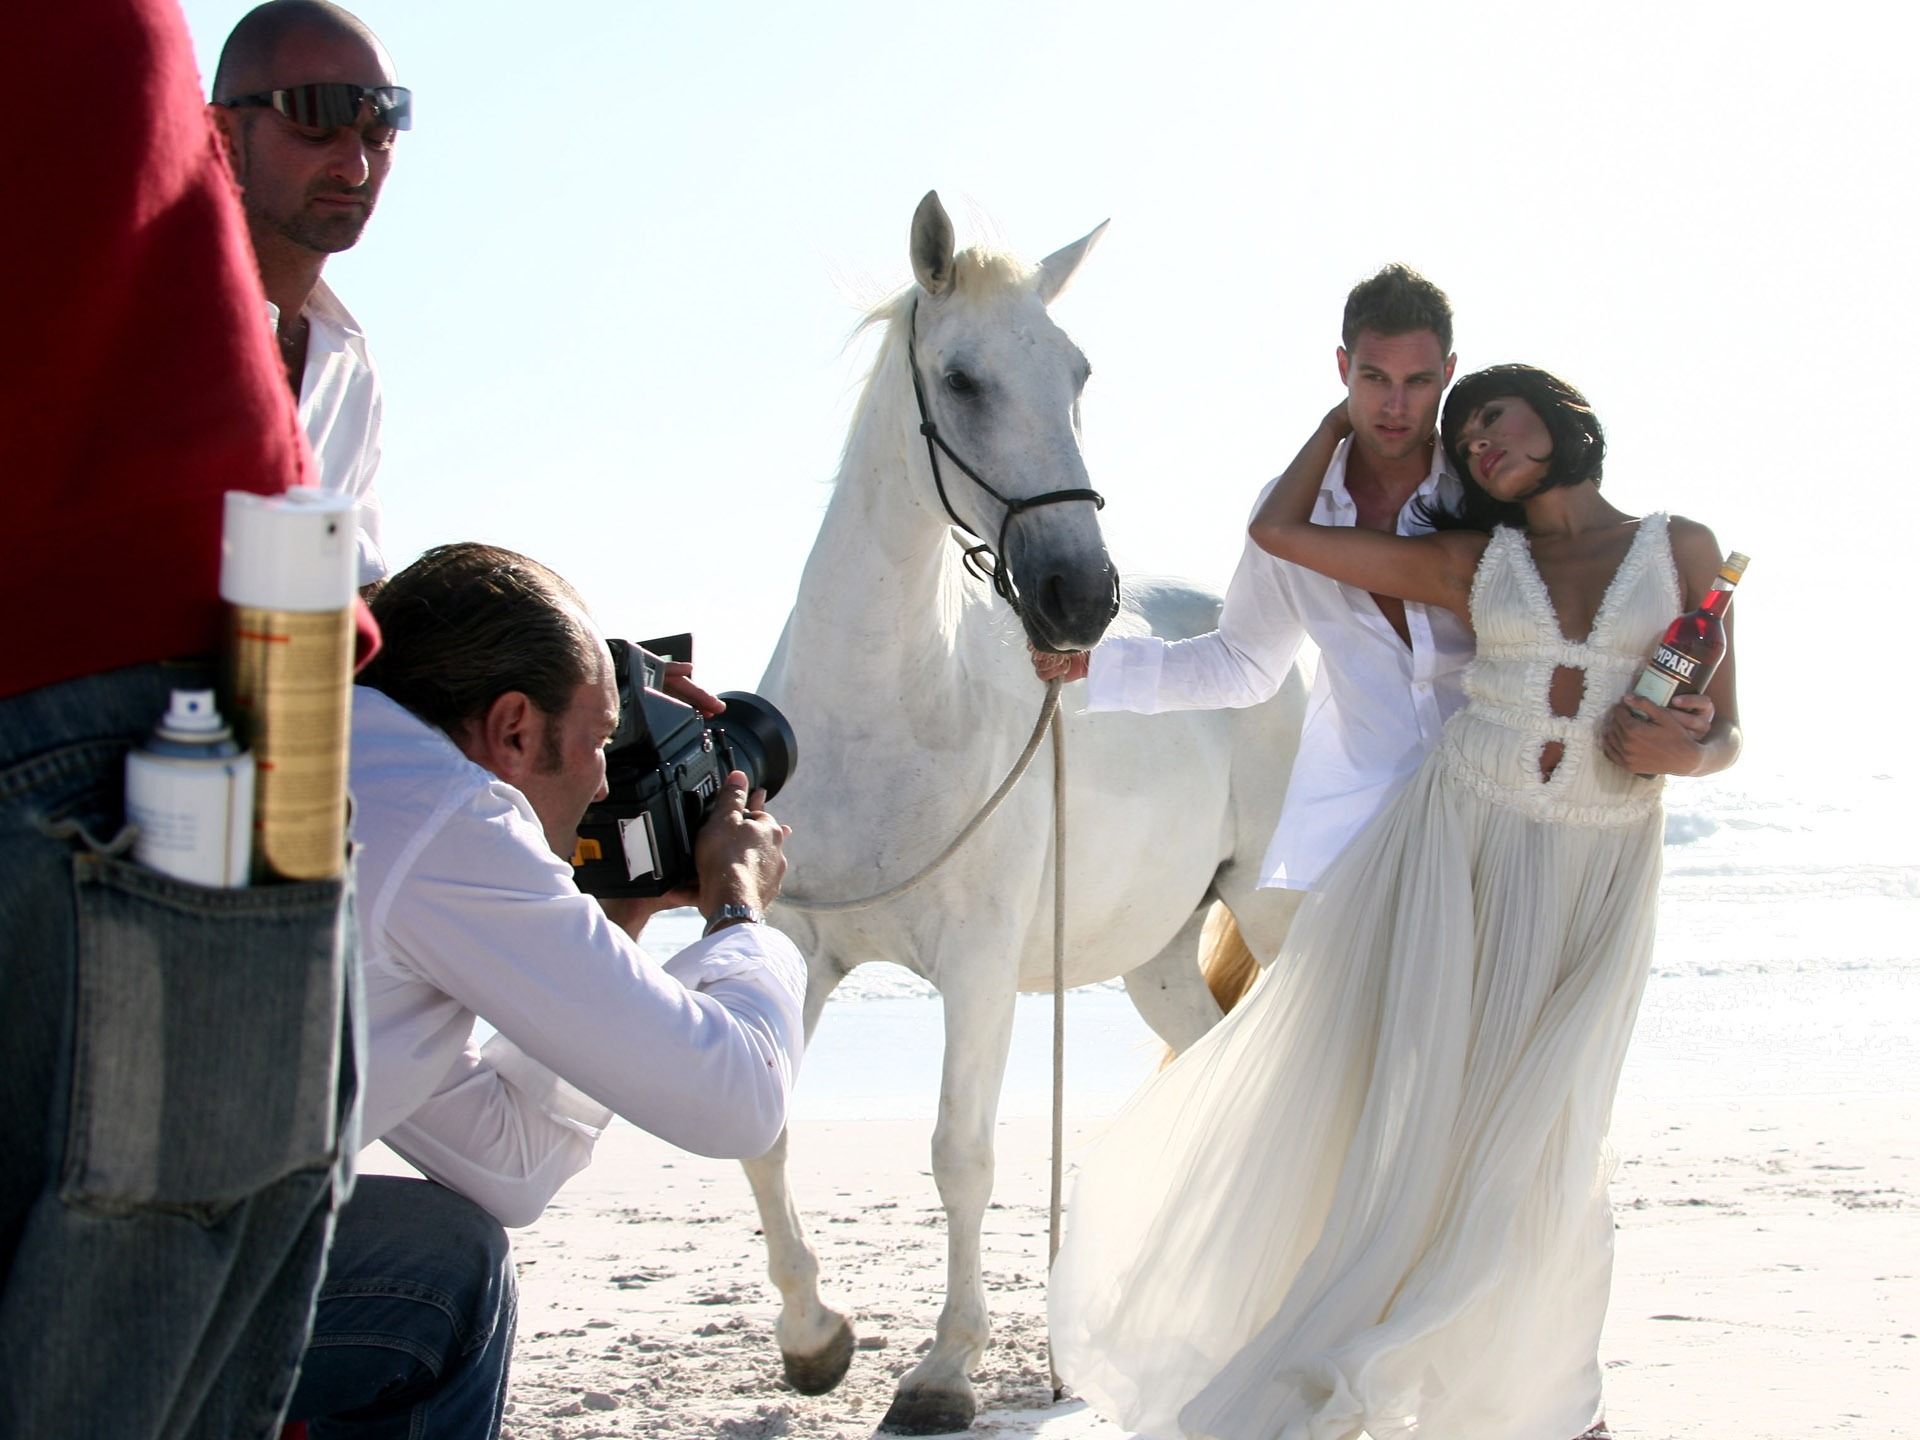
(1579, 445)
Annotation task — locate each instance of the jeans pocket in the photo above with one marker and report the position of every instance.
(207, 1039)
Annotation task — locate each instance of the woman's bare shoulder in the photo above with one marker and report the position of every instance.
(1692, 541)
(1696, 554)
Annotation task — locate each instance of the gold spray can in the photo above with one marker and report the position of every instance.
(287, 572)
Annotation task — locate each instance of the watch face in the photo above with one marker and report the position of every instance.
(730, 912)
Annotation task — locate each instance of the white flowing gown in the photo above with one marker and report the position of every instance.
(1373, 1199)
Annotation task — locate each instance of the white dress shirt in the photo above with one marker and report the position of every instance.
(340, 413)
(464, 912)
(1378, 702)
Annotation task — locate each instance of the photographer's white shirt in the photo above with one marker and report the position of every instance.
(1377, 704)
(464, 911)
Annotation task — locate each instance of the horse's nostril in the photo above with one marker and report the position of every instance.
(1051, 589)
(1066, 594)
(1076, 605)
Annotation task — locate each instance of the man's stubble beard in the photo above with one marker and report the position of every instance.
(326, 236)
(310, 232)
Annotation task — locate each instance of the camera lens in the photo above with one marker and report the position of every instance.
(759, 738)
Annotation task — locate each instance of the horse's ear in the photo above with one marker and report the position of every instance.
(931, 245)
(1057, 269)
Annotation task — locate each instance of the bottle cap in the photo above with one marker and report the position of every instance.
(297, 551)
(193, 718)
(1734, 566)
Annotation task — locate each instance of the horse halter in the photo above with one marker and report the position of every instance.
(990, 567)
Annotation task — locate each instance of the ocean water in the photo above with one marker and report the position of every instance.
(1788, 963)
(1788, 958)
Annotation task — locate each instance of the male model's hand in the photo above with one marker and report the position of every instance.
(1055, 665)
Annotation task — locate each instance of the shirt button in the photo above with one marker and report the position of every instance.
(1422, 687)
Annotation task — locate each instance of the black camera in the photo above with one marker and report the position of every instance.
(666, 764)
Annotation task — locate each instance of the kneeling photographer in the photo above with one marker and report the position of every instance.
(478, 738)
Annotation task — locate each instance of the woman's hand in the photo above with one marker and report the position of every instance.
(1433, 569)
(1336, 424)
(1651, 739)
(1695, 714)
(1290, 500)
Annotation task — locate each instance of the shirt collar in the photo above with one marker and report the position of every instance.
(1333, 489)
(1437, 473)
(323, 305)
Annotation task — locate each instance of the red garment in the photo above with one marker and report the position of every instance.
(138, 380)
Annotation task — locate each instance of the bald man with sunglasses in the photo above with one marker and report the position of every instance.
(305, 99)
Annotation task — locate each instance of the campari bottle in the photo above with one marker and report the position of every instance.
(1688, 654)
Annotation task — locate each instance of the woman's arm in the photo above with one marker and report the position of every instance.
(1431, 569)
(1649, 739)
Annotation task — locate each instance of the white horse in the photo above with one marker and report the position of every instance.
(909, 687)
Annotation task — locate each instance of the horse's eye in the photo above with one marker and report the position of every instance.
(960, 383)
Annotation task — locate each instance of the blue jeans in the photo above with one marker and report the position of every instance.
(414, 1328)
(177, 1078)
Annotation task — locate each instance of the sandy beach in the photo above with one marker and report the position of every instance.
(1767, 1283)
(1767, 1201)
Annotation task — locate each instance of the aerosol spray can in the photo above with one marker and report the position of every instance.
(287, 571)
(190, 790)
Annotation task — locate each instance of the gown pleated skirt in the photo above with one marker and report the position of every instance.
(1373, 1199)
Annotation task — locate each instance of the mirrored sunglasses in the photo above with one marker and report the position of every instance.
(329, 104)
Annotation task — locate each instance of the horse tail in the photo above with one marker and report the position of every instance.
(1225, 959)
(1226, 963)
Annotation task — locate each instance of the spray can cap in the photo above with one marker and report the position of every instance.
(297, 551)
(193, 718)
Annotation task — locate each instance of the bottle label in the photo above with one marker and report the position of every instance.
(292, 677)
(1682, 667)
(195, 817)
(1669, 673)
(1656, 686)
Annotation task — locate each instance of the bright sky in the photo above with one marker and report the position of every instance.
(612, 276)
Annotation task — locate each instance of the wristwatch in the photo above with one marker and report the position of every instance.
(731, 913)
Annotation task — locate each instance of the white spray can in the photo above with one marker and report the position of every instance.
(190, 790)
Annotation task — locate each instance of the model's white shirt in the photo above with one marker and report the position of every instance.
(340, 413)
(465, 911)
(1377, 704)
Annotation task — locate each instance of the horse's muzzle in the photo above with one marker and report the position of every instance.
(1070, 609)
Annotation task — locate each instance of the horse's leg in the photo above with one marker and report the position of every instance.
(1170, 992)
(936, 1397)
(816, 1343)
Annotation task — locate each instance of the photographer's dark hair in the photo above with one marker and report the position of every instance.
(1397, 301)
(1579, 444)
(464, 624)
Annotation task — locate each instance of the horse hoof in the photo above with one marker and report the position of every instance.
(929, 1412)
(819, 1372)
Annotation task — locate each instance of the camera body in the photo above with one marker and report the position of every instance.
(666, 766)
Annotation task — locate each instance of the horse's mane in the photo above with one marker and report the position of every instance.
(977, 270)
